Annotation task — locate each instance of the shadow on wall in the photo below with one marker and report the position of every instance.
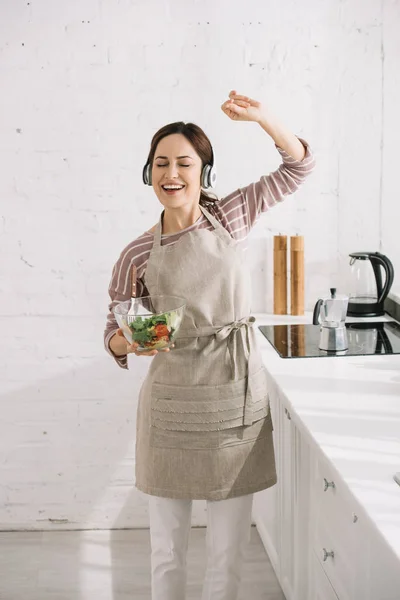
(67, 462)
(67, 447)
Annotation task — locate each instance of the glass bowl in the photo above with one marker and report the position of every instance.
(153, 322)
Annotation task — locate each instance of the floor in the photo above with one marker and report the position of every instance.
(110, 565)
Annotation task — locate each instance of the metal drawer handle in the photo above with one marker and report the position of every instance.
(328, 484)
(327, 554)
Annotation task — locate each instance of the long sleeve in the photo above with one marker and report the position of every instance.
(119, 290)
(243, 207)
(111, 324)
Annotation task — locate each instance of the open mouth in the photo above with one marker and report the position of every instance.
(172, 189)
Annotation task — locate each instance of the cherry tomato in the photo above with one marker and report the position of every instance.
(161, 330)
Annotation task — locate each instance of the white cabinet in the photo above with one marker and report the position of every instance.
(338, 533)
(266, 509)
(288, 501)
(295, 487)
(320, 544)
(278, 510)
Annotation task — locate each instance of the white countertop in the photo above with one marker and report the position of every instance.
(349, 407)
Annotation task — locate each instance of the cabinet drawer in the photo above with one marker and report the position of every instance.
(332, 497)
(320, 587)
(337, 539)
(334, 547)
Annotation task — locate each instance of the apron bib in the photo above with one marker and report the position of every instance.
(204, 428)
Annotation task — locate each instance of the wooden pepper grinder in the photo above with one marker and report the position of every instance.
(297, 275)
(280, 274)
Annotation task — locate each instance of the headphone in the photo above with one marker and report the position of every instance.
(208, 177)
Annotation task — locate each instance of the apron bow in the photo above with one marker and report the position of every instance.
(234, 332)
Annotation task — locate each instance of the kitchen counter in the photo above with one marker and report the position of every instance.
(350, 408)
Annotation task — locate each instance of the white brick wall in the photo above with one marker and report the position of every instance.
(84, 85)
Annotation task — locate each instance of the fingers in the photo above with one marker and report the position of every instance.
(135, 345)
(137, 352)
(229, 113)
(233, 111)
(240, 103)
(234, 95)
(131, 348)
(235, 107)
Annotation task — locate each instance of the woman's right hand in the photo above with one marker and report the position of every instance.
(132, 348)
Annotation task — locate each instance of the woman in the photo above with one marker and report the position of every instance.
(204, 428)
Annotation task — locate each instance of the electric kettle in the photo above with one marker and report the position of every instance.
(330, 314)
(366, 291)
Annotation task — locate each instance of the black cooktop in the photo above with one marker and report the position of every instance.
(364, 338)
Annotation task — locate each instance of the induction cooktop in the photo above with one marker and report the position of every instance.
(364, 338)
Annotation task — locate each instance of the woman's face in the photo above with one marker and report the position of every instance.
(176, 172)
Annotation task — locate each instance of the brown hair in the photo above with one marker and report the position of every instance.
(196, 136)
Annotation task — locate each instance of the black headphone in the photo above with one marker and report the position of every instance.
(208, 177)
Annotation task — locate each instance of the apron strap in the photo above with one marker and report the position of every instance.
(157, 233)
(158, 229)
(210, 217)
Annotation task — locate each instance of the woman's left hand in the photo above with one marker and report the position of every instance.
(242, 108)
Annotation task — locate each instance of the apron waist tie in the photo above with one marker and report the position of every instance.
(237, 330)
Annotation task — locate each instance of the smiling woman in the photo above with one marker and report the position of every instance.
(204, 428)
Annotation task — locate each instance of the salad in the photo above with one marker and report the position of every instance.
(155, 331)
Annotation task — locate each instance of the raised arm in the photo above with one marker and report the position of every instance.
(246, 204)
(243, 108)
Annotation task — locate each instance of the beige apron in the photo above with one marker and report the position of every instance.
(204, 428)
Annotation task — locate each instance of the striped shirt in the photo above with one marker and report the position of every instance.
(238, 213)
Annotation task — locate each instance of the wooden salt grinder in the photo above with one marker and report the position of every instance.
(297, 275)
(280, 274)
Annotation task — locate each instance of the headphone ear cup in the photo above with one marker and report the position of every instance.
(212, 176)
(208, 177)
(204, 181)
(147, 175)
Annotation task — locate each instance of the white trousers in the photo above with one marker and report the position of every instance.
(228, 533)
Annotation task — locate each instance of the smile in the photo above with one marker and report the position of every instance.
(172, 189)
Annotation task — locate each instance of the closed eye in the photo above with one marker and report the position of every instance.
(178, 165)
